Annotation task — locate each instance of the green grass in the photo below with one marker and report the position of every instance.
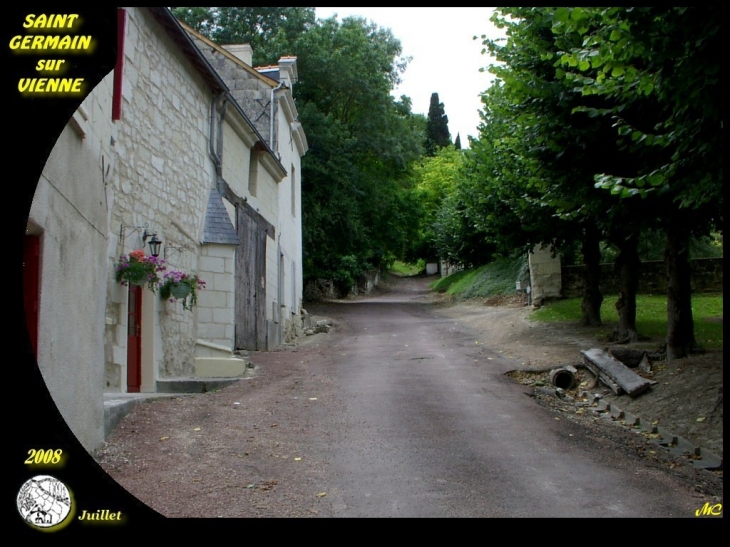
(495, 278)
(403, 269)
(651, 316)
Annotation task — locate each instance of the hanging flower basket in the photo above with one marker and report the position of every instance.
(138, 269)
(181, 286)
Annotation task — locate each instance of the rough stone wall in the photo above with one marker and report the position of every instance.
(253, 95)
(163, 174)
(367, 283)
(707, 274)
(320, 289)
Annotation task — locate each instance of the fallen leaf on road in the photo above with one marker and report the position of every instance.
(312, 398)
(297, 459)
(164, 438)
(321, 494)
(701, 419)
(196, 429)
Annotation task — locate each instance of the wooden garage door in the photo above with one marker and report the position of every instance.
(250, 284)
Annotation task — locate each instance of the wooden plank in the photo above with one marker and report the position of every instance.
(242, 205)
(260, 267)
(246, 282)
(600, 376)
(616, 371)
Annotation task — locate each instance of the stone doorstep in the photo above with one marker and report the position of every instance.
(193, 385)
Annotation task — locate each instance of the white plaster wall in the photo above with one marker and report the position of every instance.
(290, 226)
(69, 210)
(236, 161)
(266, 201)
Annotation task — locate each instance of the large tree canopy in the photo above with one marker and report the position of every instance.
(603, 123)
(659, 68)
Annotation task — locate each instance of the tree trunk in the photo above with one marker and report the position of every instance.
(592, 297)
(627, 266)
(680, 324)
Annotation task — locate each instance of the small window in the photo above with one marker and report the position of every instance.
(253, 169)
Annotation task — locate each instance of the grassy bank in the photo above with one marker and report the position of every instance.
(499, 278)
(651, 316)
(494, 279)
(403, 269)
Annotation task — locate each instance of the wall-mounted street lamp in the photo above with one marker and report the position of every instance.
(155, 242)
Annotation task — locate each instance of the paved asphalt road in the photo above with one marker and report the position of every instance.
(435, 429)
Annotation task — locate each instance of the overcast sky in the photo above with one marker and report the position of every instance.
(446, 58)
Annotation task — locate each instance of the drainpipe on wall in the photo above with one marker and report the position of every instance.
(273, 104)
(219, 142)
(215, 146)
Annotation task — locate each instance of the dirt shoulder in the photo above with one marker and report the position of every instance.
(686, 399)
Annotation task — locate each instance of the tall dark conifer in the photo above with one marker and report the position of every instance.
(437, 126)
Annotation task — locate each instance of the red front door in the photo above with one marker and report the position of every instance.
(30, 287)
(134, 339)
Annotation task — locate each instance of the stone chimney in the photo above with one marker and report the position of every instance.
(242, 52)
(288, 71)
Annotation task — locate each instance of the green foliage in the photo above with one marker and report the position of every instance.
(495, 278)
(358, 211)
(404, 269)
(271, 31)
(445, 283)
(651, 317)
(658, 71)
(434, 178)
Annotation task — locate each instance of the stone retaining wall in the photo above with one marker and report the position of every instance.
(706, 277)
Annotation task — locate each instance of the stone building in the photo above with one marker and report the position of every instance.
(162, 150)
(265, 94)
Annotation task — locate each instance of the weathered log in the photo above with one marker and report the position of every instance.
(614, 370)
(628, 356)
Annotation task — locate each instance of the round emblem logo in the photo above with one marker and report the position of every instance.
(44, 501)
